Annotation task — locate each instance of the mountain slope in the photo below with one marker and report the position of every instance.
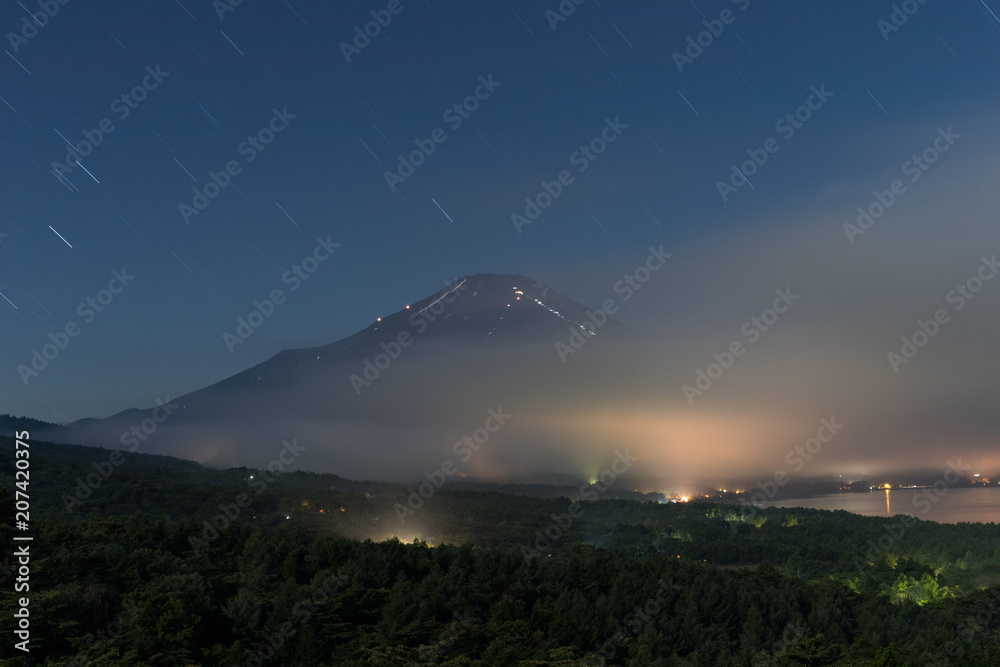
(378, 403)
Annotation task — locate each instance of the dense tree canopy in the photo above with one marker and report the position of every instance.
(162, 565)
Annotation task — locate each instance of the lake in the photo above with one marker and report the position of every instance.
(981, 505)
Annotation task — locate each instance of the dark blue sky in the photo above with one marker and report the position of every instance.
(323, 174)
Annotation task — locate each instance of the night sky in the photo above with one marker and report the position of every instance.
(205, 89)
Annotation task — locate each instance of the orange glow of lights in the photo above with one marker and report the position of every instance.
(729, 436)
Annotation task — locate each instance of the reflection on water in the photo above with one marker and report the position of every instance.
(981, 505)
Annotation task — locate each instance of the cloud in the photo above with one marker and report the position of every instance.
(828, 355)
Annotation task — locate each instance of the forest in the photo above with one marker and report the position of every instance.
(165, 562)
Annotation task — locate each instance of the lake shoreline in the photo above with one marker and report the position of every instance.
(951, 505)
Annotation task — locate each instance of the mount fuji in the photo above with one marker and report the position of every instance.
(388, 401)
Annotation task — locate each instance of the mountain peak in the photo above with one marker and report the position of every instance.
(490, 307)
